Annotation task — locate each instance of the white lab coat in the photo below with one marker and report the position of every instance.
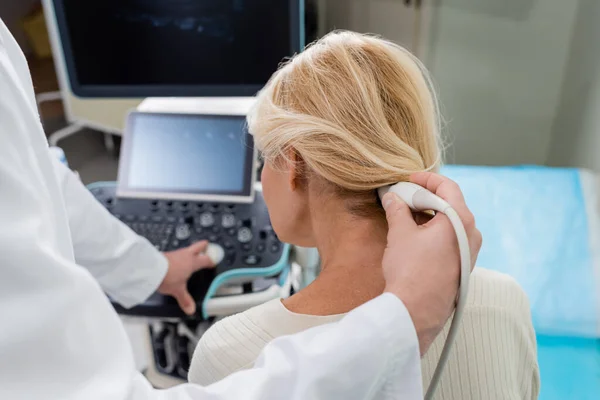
(61, 339)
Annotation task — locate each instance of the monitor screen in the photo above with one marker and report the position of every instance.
(185, 156)
(143, 48)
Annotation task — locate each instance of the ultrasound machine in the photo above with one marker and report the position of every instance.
(191, 177)
(188, 167)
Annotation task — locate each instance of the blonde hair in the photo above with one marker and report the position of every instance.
(359, 111)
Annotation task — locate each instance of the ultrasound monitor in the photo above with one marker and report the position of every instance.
(189, 157)
(179, 48)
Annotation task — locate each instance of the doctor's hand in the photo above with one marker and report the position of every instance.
(182, 264)
(421, 263)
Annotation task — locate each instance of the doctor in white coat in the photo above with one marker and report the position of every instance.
(60, 251)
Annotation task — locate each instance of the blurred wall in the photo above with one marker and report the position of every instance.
(576, 130)
(392, 19)
(11, 12)
(499, 67)
(103, 114)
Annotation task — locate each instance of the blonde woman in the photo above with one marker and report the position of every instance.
(350, 114)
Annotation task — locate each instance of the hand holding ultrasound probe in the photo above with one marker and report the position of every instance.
(430, 307)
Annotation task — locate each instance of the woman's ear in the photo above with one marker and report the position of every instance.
(295, 167)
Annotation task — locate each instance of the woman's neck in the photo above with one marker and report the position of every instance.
(351, 249)
(347, 242)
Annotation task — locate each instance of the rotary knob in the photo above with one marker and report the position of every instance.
(182, 232)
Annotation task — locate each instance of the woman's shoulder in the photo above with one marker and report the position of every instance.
(235, 342)
(231, 344)
(494, 355)
(495, 290)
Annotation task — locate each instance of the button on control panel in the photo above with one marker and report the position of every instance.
(182, 232)
(207, 219)
(228, 220)
(252, 259)
(244, 235)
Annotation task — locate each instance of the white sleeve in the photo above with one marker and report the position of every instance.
(372, 353)
(126, 265)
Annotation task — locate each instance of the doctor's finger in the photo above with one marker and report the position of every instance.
(442, 228)
(448, 190)
(186, 301)
(399, 217)
(198, 247)
(202, 261)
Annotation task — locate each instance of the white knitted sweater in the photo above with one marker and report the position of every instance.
(494, 356)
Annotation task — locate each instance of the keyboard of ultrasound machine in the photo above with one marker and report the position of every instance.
(243, 230)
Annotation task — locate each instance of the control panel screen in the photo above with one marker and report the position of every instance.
(184, 154)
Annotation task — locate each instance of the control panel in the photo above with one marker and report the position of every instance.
(243, 231)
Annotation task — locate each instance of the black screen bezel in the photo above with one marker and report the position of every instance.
(183, 90)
